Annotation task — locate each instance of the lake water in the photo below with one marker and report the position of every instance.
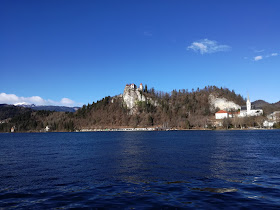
(184, 169)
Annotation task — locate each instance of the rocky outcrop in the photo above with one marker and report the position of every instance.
(222, 104)
(131, 95)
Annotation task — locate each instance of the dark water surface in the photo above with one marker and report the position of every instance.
(184, 169)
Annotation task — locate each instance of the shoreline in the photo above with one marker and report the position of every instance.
(143, 130)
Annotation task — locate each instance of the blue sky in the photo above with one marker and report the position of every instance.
(76, 52)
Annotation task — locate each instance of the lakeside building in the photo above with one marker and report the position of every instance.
(272, 119)
(222, 114)
(268, 124)
(250, 110)
(246, 111)
(274, 116)
(47, 128)
(13, 129)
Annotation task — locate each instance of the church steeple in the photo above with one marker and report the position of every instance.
(248, 104)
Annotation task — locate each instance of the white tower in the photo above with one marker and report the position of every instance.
(141, 87)
(248, 105)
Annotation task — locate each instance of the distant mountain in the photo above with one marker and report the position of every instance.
(10, 111)
(56, 108)
(48, 108)
(24, 104)
(267, 107)
(277, 104)
(260, 103)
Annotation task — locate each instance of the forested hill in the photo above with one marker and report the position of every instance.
(179, 109)
(10, 111)
(267, 107)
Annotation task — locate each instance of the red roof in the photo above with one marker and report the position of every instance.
(221, 111)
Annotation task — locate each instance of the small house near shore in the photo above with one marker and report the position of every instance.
(221, 114)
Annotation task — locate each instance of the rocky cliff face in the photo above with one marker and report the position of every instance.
(222, 104)
(131, 95)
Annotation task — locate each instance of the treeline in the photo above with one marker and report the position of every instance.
(246, 122)
(182, 109)
(37, 121)
(10, 111)
(187, 109)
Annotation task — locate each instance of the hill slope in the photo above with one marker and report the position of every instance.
(267, 107)
(10, 111)
(180, 109)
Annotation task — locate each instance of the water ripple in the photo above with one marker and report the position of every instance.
(140, 170)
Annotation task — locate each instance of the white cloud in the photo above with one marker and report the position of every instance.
(208, 46)
(257, 58)
(260, 57)
(37, 100)
(67, 101)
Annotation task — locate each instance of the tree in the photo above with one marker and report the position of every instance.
(226, 123)
(150, 120)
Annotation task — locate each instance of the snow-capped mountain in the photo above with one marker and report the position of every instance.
(24, 104)
(48, 108)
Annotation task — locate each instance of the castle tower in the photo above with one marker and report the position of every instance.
(248, 103)
(141, 87)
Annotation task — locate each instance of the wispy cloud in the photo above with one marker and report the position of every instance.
(206, 46)
(257, 58)
(260, 57)
(37, 100)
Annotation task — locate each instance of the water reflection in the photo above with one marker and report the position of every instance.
(215, 190)
(133, 159)
(234, 156)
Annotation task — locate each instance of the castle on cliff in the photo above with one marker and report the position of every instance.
(132, 95)
(133, 86)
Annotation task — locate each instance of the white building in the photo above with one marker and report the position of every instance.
(221, 115)
(275, 116)
(224, 114)
(47, 128)
(141, 87)
(133, 86)
(250, 110)
(268, 124)
(13, 129)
